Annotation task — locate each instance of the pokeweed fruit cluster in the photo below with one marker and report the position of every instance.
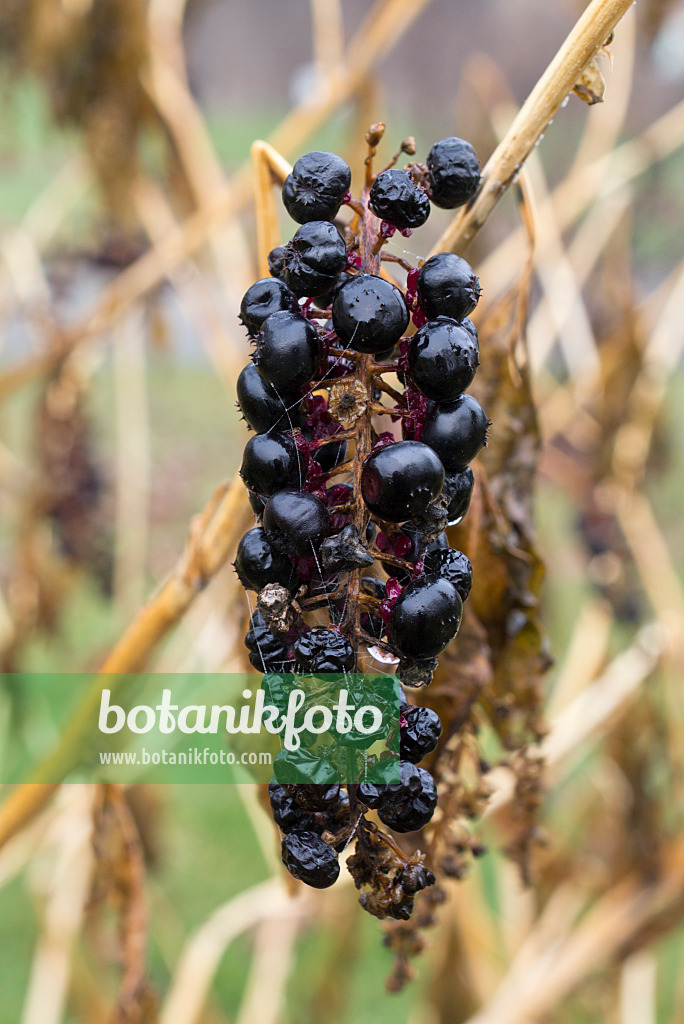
(364, 432)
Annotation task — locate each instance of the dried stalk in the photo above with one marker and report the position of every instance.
(213, 537)
(541, 106)
(387, 21)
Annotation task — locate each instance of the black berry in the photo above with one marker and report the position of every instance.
(324, 650)
(270, 463)
(420, 734)
(316, 187)
(258, 563)
(262, 406)
(451, 565)
(268, 652)
(400, 480)
(288, 814)
(296, 522)
(453, 173)
(443, 358)
(425, 618)
(456, 431)
(309, 859)
(458, 488)
(263, 298)
(447, 286)
(405, 806)
(288, 351)
(314, 258)
(396, 198)
(369, 313)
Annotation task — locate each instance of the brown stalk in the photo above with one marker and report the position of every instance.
(387, 21)
(214, 534)
(540, 107)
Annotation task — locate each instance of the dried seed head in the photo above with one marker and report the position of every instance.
(347, 402)
(275, 604)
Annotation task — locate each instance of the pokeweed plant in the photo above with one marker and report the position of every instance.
(364, 432)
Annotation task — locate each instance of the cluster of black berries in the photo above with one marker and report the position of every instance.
(341, 503)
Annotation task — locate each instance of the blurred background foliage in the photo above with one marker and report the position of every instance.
(126, 241)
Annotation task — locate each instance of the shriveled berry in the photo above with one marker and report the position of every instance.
(262, 406)
(453, 172)
(315, 798)
(309, 859)
(270, 463)
(289, 815)
(288, 351)
(258, 563)
(420, 734)
(458, 488)
(324, 650)
(406, 806)
(447, 286)
(442, 358)
(425, 618)
(314, 258)
(400, 480)
(456, 431)
(263, 298)
(369, 313)
(396, 198)
(345, 552)
(296, 522)
(275, 261)
(451, 565)
(316, 187)
(268, 652)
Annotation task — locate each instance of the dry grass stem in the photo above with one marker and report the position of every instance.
(539, 109)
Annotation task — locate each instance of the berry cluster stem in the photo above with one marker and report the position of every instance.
(363, 431)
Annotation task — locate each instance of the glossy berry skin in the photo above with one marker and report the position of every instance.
(400, 480)
(425, 618)
(262, 406)
(406, 806)
(369, 314)
(288, 351)
(309, 859)
(458, 488)
(453, 173)
(314, 258)
(443, 358)
(324, 650)
(396, 198)
(316, 187)
(258, 563)
(447, 286)
(257, 503)
(456, 431)
(420, 734)
(263, 298)
(270, 463)
(451, 565)
(296, 522)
